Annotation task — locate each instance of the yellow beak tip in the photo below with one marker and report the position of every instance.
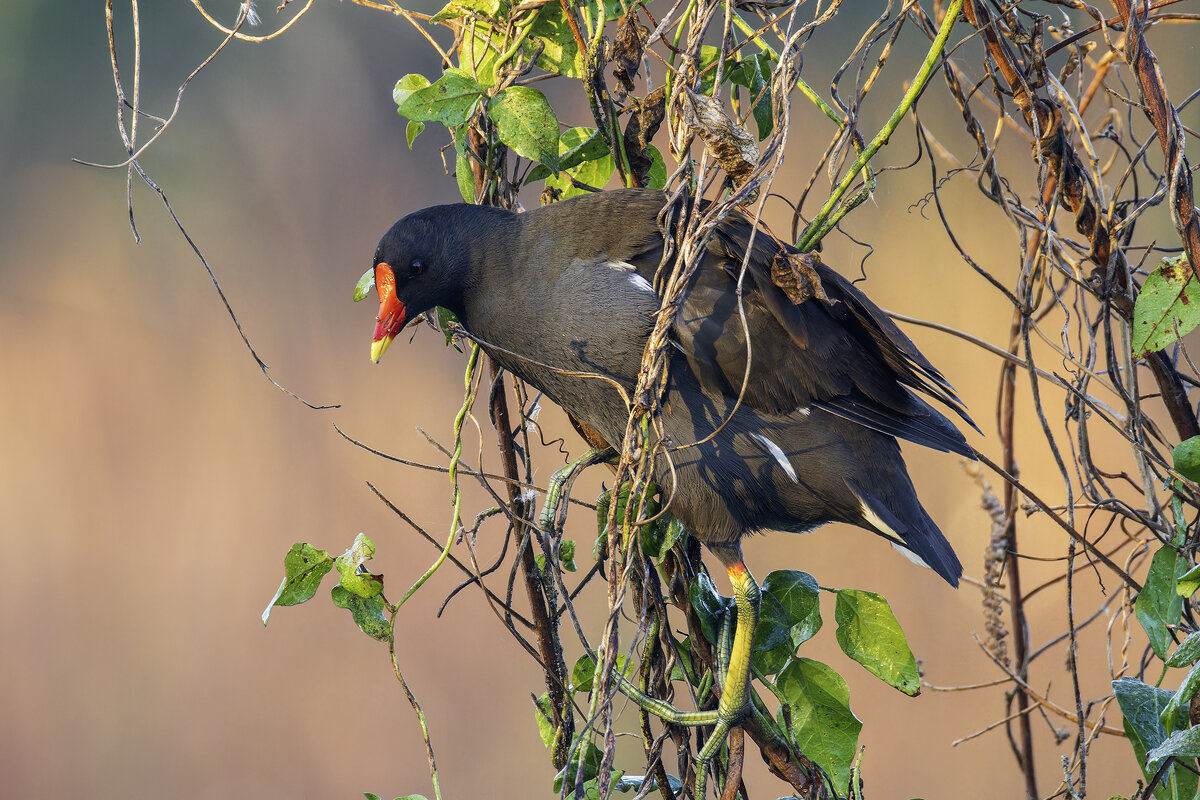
(378, 347)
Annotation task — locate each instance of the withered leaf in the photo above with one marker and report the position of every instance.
(796, 275)
(647, 116)
(627, 50)
(726, 141)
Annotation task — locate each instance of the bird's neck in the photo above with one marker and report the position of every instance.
(481, 235)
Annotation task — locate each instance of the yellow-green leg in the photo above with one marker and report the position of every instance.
(734, 705)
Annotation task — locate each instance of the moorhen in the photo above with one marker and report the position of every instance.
(564, 298)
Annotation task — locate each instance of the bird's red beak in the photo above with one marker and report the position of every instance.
(392, 315)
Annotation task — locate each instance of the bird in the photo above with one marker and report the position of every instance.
(781, 411)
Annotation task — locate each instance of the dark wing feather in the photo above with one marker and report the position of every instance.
(844, 355)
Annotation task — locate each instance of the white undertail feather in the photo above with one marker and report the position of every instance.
(778, 454)
(874, 521)
(911, 556)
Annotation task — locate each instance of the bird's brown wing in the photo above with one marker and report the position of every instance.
(841, 354)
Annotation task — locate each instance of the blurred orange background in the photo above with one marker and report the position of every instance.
(152, 480)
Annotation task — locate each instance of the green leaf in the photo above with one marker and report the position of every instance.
(368, 612)
(1181, 744)
(566, 557)
(446, 321)
(355, 576)
(450, 101)
(560, 54)
(657, 178)
(754, 73)
(544, 716)
(526, 123)
(462, 166)
(1169, 299)
(1186, 458)
(1188, 582)
(591, 765)
(365, 284)
(1158, 605)
(660, 536)
(823, 726)
(458, 8)
(583, 674)
(1180, 700)
(1141, 709)
(303, 568)
(412, 131)
(576, 145)
(590, 148)
(710, 606)
(1187, 653)
(707, 67)
(790, 614)
(869, 633)
(407, 86)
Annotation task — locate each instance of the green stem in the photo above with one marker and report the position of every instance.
(831, 214)
(801, 84)
(472, 387)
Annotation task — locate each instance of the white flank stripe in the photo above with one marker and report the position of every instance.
(778, 455)
(632, 275)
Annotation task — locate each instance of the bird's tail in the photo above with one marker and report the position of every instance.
(906, 524)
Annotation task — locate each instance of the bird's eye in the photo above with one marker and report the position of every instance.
(416, 268)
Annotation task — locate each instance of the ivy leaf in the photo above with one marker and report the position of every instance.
(1188, 582)
(591, 765)
(591, 146)
(1180, 744)
(754, 73)
(446, 322)
(354, 575)
(577, 144)
(560, 53)
(710, 606)
(544, 716)
(460, 8)
(583, 674)
(451, 100)
(407, 86)
(303, 568)
(1188, 651)
(365, 284)
(660, 536)
(368, 613)
(526, 123)
(869, 633)
(823, 726)
(657, 178)
(1186, 458)
(1158, 605)
(412, 131)
(1141, 710)
(462, 166)
(1170, 296)
(790, 614)
(566, 557)
(1180, 700)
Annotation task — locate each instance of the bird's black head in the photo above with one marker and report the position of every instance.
(417, 266)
